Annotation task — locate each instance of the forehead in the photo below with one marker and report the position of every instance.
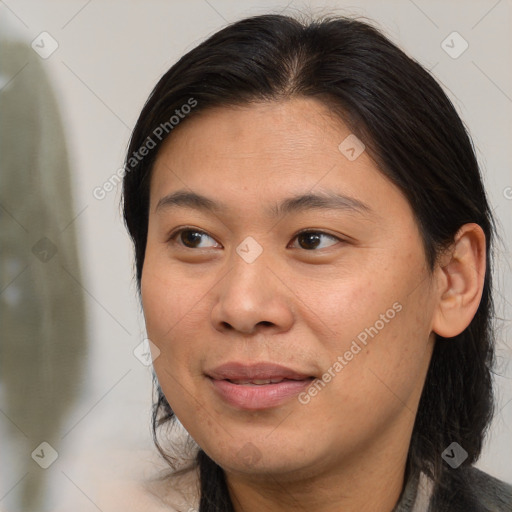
(291, 130)
(298, 118)
(265, 151)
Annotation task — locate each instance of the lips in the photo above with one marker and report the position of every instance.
(257, 386)
(263, 371)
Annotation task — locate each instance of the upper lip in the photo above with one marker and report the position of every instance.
(259, 371)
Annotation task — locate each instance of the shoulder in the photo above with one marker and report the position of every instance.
(468, 489)
(175, 490)
(172, 493)
(492, 493)
(159, 490)
(130, 481)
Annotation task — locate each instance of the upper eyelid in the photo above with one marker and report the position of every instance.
(176, 232)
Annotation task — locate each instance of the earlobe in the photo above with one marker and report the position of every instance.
(460, 278)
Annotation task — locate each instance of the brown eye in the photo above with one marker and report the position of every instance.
(310, 240)
(190, 238)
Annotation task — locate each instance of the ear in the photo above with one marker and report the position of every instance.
(460, 280)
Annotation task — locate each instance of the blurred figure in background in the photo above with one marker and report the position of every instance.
(42, 318)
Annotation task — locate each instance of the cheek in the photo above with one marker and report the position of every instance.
(341, 308)
(385, 358)
(379, 323)
(171, 313)
(167, 299)
(171, 318)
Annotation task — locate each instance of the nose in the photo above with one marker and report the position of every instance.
(253, 297)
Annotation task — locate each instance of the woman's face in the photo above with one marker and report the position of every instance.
(246, 311)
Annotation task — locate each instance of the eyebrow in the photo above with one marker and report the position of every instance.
(327, 200)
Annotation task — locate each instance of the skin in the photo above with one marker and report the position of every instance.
(297, 305)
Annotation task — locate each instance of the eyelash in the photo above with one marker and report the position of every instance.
(176, 233)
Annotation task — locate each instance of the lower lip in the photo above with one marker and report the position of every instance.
(263, 396)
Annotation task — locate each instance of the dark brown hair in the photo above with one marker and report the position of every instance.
(414, 135)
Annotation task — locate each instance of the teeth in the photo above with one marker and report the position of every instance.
(257, 382)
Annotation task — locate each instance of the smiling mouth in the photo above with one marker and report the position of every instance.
(255, 372)
(258, 394)
(257, 385)
(263, 382)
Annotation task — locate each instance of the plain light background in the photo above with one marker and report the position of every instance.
(110, 55)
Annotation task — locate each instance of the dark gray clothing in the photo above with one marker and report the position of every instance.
(465, 489)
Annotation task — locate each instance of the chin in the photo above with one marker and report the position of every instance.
(259, 456)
